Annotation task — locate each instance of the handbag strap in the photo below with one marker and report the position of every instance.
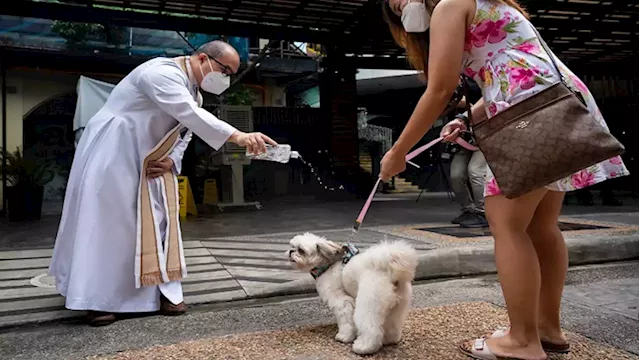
(465, 90)
(546, 49)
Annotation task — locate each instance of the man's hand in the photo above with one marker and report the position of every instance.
(157, 168)
(254, 142)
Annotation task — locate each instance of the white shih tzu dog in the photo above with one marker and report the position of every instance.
(369, 293)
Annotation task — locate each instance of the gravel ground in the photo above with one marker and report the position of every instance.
(430, 334)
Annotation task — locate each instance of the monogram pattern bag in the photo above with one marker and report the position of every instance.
(543, 139)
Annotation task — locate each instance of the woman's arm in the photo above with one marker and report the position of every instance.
(446, 46)
(478, 112)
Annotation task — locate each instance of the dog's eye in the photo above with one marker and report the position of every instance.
(301, 252)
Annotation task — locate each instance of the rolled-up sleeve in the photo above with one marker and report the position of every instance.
(166, 86)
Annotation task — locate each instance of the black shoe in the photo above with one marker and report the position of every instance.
(477, 220)
(465, 216)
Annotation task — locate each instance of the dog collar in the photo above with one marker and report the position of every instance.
(350, 251)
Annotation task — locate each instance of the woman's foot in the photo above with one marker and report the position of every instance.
(507, 346)
(552, 341)
(99, 318)
(479, 349)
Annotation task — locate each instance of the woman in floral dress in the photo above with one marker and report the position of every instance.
(493, 42)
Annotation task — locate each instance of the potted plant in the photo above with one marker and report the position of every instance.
(25, 185)
(240, 96)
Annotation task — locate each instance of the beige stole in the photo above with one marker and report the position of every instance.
(157, 263)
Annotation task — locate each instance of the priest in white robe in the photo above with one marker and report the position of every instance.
(119, 247)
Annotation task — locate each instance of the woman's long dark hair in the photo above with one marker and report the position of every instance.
(416, 44)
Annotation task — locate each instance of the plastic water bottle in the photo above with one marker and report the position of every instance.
(278, 153)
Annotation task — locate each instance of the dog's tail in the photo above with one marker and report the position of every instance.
(399, 258)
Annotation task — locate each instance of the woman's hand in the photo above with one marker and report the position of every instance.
(254, 142)
(392, 164)
(452, 130)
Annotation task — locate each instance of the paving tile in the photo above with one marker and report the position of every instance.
(22, 274)
(189, 244)
(264, 273)
(200, 261)
(19, 293)
(25, 254)
(213, 275)
(21, 304)
(246, 245)
(603, 293)
(216, 285)
(24, 264)
(259, 263)
(628, 308)
(203, 267)
(243, 253)
(215, 297)
(38, 317)
(199, 251)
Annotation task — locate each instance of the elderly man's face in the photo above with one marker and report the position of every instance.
(228, 63)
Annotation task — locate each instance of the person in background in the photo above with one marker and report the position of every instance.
(494, 42)
(468, 171)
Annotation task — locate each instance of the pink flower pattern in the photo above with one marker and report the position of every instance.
(492, 188)
(522, 78)
(582, 179)
(504, 56)
(489, 31)
(528, 47)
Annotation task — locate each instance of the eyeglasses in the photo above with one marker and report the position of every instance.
(226, 69)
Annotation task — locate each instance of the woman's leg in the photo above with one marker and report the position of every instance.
(554, 263)
(519, 273)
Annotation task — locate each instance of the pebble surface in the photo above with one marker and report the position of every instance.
(430, 334)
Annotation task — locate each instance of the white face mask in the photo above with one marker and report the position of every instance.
(415, 17)
(214, 82)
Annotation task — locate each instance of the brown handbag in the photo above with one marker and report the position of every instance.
(542, 139)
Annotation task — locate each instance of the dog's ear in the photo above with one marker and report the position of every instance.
(330, 250)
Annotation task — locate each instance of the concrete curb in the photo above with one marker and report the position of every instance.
(478, 260)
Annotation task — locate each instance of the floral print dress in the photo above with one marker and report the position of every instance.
(504, 56)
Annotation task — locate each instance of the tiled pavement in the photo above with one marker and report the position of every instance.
(219, 269)
(236, 267)
(620, 296)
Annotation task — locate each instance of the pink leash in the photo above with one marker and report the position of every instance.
(410, 156)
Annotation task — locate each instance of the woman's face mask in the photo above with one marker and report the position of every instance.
(415, 17)
(214, 82)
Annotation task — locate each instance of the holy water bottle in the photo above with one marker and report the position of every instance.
(278, 153)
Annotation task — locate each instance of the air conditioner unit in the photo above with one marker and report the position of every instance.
(233, 156)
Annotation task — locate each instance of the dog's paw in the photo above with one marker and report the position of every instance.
(346, 336)
(391, 339)
(364, 346)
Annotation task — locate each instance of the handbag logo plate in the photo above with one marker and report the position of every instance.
(522, 124)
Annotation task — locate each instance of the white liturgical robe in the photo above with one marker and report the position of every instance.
(94, 256)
